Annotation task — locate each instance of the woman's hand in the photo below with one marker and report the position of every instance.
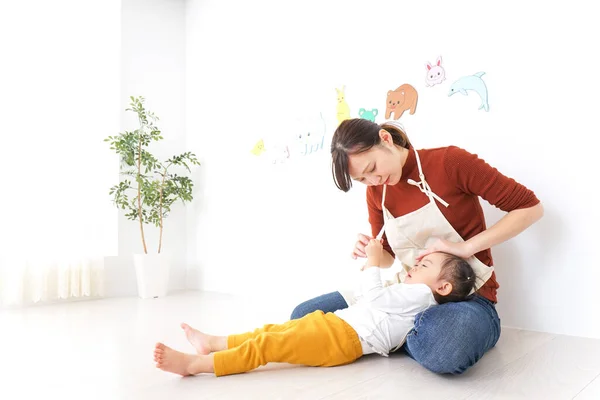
(359, 246)
(461, 249)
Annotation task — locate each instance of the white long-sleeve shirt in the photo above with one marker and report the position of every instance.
(384, 316)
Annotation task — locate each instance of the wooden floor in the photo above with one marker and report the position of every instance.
(103, 350)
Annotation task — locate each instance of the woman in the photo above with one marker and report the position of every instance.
(424, 202)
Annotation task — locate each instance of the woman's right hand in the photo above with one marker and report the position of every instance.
(359, 246)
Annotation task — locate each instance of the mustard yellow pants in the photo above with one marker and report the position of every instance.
(317, 339)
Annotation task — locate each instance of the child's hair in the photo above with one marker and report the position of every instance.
(460, 274)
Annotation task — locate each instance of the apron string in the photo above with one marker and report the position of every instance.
(424, 187)
(380, 234)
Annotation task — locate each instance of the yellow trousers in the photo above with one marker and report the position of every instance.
(317, 339)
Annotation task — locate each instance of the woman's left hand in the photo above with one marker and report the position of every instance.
(458, 249)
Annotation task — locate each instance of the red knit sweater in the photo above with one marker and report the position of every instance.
(459, 178)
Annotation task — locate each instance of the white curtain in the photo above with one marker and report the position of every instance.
(27, 280)
(59, 97)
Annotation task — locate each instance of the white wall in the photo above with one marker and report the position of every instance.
(153, 66)
(252, 65)
(59, 91)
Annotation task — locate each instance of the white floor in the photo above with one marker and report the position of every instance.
(103, 350)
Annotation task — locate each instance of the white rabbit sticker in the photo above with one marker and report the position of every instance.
(435, 73)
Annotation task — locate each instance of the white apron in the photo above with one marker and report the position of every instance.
(412, 233)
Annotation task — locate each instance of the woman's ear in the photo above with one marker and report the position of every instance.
(444, 288)
(385, 137)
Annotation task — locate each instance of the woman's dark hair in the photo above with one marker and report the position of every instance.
(460, 274)
(355, 136)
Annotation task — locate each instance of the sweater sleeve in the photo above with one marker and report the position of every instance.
(376, 219)
(474, 176)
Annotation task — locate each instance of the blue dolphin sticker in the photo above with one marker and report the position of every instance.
(472, 82)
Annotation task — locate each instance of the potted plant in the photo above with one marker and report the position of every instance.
(148, 192)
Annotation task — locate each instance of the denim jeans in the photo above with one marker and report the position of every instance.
(446, 339)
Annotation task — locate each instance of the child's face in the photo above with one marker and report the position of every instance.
(427, 271)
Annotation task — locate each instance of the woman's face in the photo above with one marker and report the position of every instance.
(381, 164)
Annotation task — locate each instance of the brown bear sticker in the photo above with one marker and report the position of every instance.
(399, 100)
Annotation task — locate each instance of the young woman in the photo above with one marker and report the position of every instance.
(426, 201)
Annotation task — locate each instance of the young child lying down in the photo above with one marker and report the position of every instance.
(378, 323)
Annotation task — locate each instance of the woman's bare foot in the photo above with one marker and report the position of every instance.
(174, 361)
(203, 343)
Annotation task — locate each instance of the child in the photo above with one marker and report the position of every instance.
(378, 323)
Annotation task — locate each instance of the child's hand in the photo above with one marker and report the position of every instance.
(373, 250)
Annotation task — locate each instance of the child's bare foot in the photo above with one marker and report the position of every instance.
(199, 340)
(174, 361)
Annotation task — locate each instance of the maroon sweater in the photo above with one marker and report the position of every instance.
(459, 178)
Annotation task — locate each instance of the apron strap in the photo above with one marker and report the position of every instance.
(380, 234)
(423, 185)
(384, 211)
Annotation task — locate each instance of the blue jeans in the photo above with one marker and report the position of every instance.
(446, 339)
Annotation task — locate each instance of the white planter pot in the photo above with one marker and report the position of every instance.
(152, 273)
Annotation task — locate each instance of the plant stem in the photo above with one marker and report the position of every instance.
(139, 166)
(160, 214)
